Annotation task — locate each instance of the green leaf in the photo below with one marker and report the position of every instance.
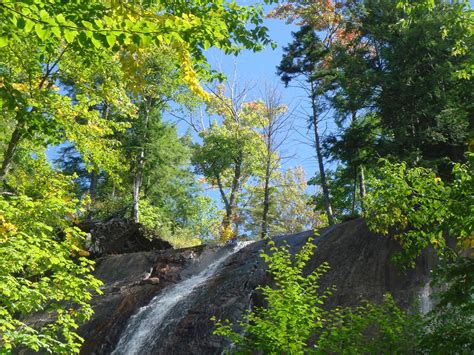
(95, 42)
(29, 26)
(56, 31)
(111, 39)
(40, 31)
(69, 35)
(60, 19)
(3, 41)
(44, 16)
(136, 39)
(21, 23)
(87, 25)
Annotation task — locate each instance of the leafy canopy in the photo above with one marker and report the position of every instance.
(422, 208)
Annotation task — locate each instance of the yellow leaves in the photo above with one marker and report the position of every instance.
(226, 233)
(201, 180)
(468, 245)
(84, 253)
(189, 74)
(20, 87)
(6, 229)
(131, 62)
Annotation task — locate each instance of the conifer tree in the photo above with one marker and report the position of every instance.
(304, 58)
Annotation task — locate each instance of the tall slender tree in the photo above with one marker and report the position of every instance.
(275, 128)
(304, 58)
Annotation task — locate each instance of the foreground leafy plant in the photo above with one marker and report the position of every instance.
(293, 312)
(294, 321)
(422, 210)
(370, 329)
(448, 326)
(41, 271)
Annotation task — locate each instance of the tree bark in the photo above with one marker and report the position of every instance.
(137, 181)
(354, 191)
(362, 190)
(235, 187)
(354, 188)
(266, 197)
(19, 129)
(230, 203)
(228, 209)
(94, 179)
(138, 178)
(11, 149)
(319, 156)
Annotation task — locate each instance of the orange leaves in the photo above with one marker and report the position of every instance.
(323, 15)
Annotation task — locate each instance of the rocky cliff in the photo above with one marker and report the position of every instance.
(360, 269)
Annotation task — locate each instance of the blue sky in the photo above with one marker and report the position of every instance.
(260, 68)
(257, 69)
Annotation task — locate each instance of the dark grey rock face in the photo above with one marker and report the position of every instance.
(360, 269)
(117, 236)
(125, 291)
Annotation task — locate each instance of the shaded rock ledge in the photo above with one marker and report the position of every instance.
(118, 236)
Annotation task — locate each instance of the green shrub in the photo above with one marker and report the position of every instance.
(370, 329)
(293, 312)
(41, 270)
(294, 321)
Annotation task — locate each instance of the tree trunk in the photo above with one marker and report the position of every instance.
(228, 210)
(354, 188)
(235, 186)
(266, 197)
(319, 156)
(146, 186)
(18, 132)
(138, 178)
(137, 181)
(94, 179)
(11, 149)
(230, 203)
(354, 191)
(362, 190)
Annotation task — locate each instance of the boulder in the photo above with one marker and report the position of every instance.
(118, 236)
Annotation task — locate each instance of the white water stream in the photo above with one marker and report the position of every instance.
(426, 303)
(142, 326)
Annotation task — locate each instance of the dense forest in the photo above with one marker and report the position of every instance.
(87, 89)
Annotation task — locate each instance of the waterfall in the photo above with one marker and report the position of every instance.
(426, 303)
(142, 326)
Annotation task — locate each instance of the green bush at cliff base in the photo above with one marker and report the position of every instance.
(294, 321)
(370, 329)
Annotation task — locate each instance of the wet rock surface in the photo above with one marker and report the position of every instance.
(125, 290)
(360, 269)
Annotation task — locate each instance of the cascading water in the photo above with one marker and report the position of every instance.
(143, 325)
(426, 303)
